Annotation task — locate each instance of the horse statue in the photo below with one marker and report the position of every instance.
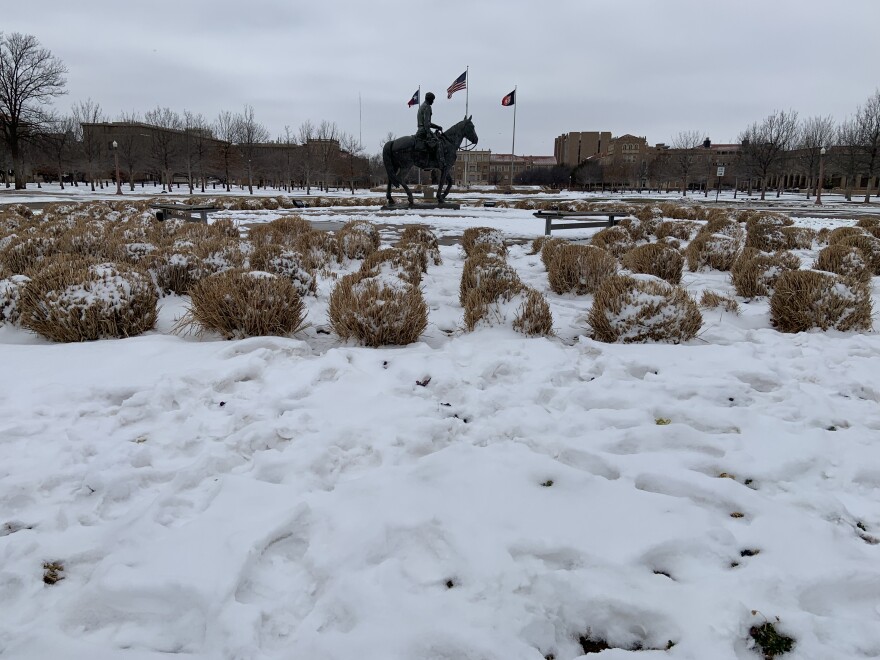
(401, 154)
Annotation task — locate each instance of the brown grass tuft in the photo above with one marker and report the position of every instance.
(74, 299)
(27, 251)
(421, 235)
(285, 263)
(713, 300)
(868, 222)
(10, 295)
(631, 310)
(680, 229)
(716, 251)
(407, 264)
(656, 259)
(677, 211)
(579, 269)
(756, 275)
(490, 275)
(220, 253)
(615, 240)
(806, 299)
(317, 248)
(870, 247)
(377, 311)
(483, 239)
(357, 239)
(238, 304)
(283, 231)
(839, 233)
(764, 231)
(798, 238)
(548, 249)
(533, 318)
(226, 227)
(845, 260)
(177, 269)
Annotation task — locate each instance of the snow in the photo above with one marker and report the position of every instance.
(476, 495)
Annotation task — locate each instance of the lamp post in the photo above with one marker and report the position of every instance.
(707, 145)
(115, 146)
(821, 176)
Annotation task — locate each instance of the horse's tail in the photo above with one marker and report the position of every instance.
(390, 164)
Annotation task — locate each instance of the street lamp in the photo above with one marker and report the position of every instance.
(115, 146)
(821, 176)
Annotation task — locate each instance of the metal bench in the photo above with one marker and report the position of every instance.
(188, 212)
(611, 219)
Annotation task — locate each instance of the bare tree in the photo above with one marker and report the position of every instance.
(814, 134)
(226, 130)
(868, 135)
(30, 77)
(352, 150)
(288, 139)
(165, 132)
(306, 136)
(686, 155)
(845, 156)
(59, 142)
(250, 134)
(132, 146)
(765, 143)
(90, 146)
(328, 147)
(194, 147)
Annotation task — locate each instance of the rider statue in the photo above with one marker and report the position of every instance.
(424, 133)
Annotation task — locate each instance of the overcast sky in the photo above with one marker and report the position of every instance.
(648, 67)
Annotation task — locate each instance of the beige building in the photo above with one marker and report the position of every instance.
(571, 149)
(483, 168)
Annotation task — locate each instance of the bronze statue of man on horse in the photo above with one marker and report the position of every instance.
(426, 150)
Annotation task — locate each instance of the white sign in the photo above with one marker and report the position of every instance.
(720, 171)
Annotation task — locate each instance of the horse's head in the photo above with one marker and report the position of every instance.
(469, 131)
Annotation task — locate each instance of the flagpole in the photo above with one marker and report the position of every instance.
(467, 89)
(513, 141)
(420, 100)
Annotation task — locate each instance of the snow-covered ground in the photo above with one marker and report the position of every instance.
(479, 496)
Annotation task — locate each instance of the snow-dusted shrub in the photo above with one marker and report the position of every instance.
(677, 211)
(377, 311)
(680, 229)
(839, 233)
(286, 263)
(548, 249)
(756, 275)
(724, 226)
(764, 231)
(615, 240)
(806, 299)
(639, 230)
(74, 299)
(21, 209)
(283, 231)
(713, 300)
(716, 251)
(658, 259)
(533, 317)
(483, 239)
(716, 213)
(421, 235)
(90, 239)
(579, 269)
(177, 269)
(27, 251)
(141, 254)
(538, 244)
(219, 254)
(798, 238)
(870, 247)
(226, 227)
(317, 249)
(868, 222)
(407, 264)
(10, 293)
(489, 275)
(639, 309)
(357, 239)
(238, 304)
(668, 241)
(845, 260)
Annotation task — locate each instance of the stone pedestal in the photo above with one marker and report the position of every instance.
(428, 192)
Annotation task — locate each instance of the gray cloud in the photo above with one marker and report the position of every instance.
(649, 67)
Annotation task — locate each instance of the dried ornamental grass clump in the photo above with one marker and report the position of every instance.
(219, 254)
(764, 232)
(317, 248)
(21, 210)
(677, 211)
(286, 263)
(806, 299)
(847, 261)
(755, 275)
(870, 247)
(548, 249)
(724, 226)
(357, 239)
(839, 233)
(717, 251)
(138, 254)
(656, 259)
(77, 300)
(377, 311)
(10, 294)
(25, 252)
(227, 228)
(238, 304)
(483, 239)
(637, 310)
(615, 240)
(868, 222)
(283, 230)
(533, 317)
(407, 264)
(683, 230)
(714, 300)
(177, 269)
(421, 235)
(798, 238)
(639, 230)
(579, 269)
(488, 275)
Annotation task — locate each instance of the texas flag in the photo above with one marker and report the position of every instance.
(510, 99)
(414, 100)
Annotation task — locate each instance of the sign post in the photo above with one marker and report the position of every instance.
(720, 174)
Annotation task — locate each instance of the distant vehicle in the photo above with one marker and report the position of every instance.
(298, 203)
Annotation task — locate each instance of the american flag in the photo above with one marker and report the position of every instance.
(459, 84)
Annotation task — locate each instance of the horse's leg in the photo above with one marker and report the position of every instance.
(448, 184)
(388, 193)
(402, 179)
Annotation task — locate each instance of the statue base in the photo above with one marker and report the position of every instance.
(421, 206)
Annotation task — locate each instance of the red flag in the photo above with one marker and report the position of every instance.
(510, 99)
